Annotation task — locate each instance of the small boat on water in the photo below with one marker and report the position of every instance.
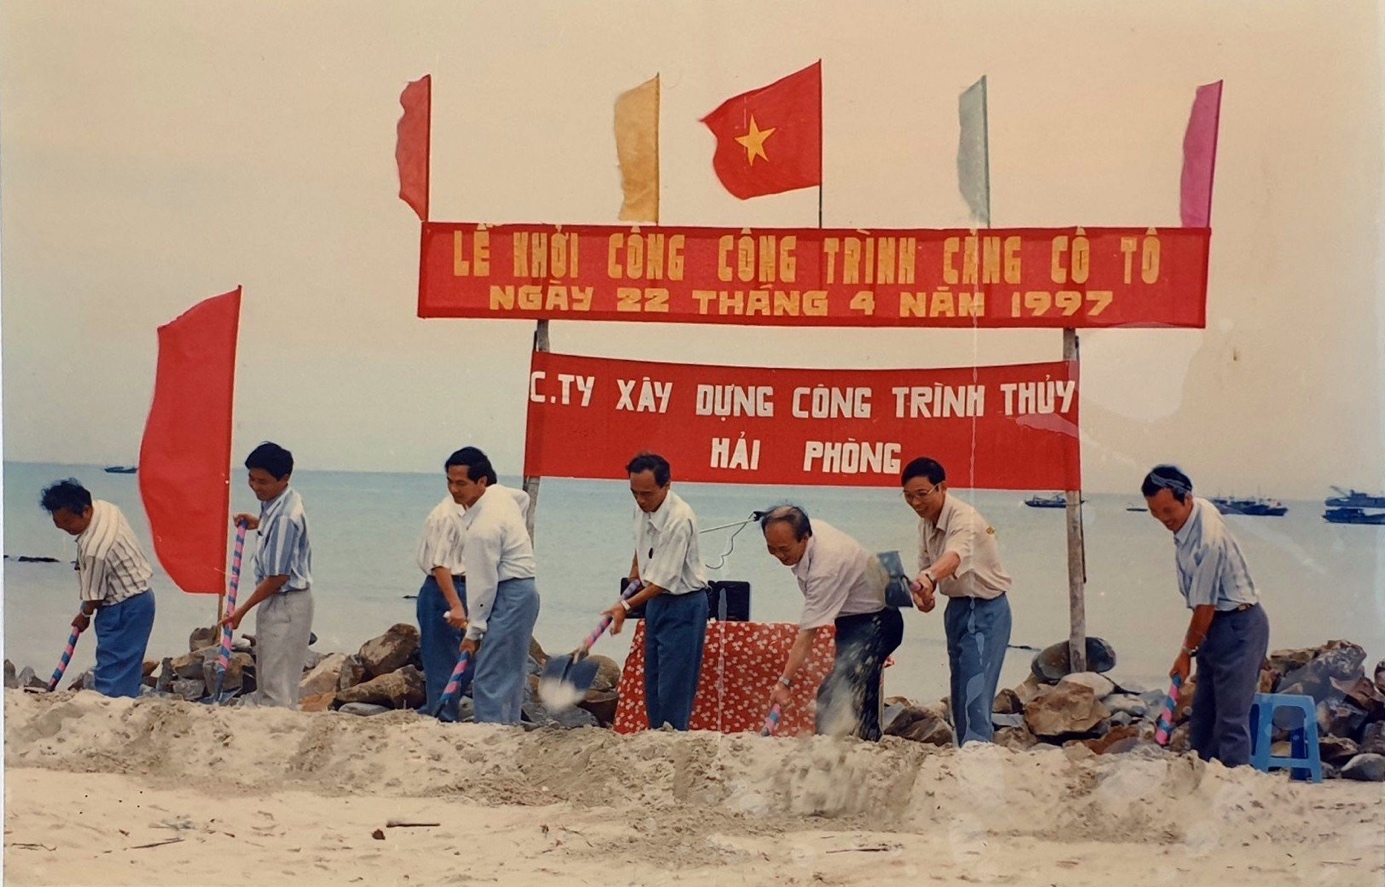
(1256, 507)
(1352, 516)
(1057, 500)
(121, 469)
(1353, 499)
(1140, 508)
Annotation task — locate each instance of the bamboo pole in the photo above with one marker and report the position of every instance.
(1077, 572)
(531, 484)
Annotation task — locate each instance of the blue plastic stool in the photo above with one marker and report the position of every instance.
(1305, 762)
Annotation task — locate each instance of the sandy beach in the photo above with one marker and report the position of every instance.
(157, 792)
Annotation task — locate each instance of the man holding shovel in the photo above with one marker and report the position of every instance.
(113, 575)
(667, 560)
(1229, 632)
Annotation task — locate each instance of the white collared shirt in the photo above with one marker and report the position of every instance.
(441, 542)
(111, 566)
(666, 550)
(495, 547)
(837, 577)
(1211, 569)
(963, 530)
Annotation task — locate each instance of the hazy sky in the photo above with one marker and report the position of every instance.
(153, 154)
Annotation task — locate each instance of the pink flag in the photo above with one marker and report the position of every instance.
(411, 147)
(185, 457)
(1200, 156)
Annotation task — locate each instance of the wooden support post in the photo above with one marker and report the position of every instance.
(1077, 566)
(531, 484)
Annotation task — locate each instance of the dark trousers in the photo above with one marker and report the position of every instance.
(675, 629)
(1228, 674)
(977, 634)
(438, 643)
(122, 634)
(849, 697)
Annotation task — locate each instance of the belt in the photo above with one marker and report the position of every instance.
(1239, 608)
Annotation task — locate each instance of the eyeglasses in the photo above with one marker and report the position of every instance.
(918, 497)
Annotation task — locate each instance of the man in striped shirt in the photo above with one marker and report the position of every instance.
(283, 578)
(113, 575)
(441, 608)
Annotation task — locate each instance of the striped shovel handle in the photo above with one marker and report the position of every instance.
(1165, 726)
(223, 660)
(454, 683)
(772, 720)
(631, 589)
(66, 658)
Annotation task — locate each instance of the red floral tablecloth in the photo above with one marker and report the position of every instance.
(740, 663)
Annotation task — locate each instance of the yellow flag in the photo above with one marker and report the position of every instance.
(637, 146)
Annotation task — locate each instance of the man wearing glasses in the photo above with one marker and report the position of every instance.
(958, 556)
(1229, 632)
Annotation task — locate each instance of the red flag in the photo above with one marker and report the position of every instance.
(769, 140)
(185, 457)
(411, 147)
(1200, 156)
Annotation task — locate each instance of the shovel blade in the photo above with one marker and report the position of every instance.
(574, 676)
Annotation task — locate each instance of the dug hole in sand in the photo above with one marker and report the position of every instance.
(157, 792)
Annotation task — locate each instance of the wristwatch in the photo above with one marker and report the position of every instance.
(932, 580)
(626, 604)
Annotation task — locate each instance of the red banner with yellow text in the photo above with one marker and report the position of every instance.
(1001, 427)
(999, 277)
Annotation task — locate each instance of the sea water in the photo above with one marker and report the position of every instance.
(1317, 580)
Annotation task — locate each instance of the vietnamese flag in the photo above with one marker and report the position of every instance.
(769, 140)
(185, 456)
(411, 147)
(1200, 157)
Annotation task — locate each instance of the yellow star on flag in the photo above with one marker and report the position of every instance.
(754, 141)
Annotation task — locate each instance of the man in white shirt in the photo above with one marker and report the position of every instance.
(1228, 631)
(958, 556)
(667, 560)
(504, 598)
(441, 606)
(113, 575)
(843, 585)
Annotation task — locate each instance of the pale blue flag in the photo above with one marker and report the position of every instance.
(973, 152)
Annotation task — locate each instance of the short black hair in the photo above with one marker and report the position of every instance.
(476, 463)
(794, 516)
(651, 462)
(923, 467)
(1167, 477)
(69, 494)
(272, 458)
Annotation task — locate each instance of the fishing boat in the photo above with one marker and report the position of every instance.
(1353, 499)
(1136, 508)
(1255, 507)
(1057, 500)
(121, 469)
(1352, 516)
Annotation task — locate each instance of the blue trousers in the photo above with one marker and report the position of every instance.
(1228, 674)
(849, 696)
(977, 633)
(675, 630)
(438, 643)
(122, 634)
(502, 662)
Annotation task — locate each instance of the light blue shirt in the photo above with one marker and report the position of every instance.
(1211, 569)
(283, 542)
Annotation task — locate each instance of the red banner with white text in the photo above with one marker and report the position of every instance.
(1000, 277)
(1001, 427)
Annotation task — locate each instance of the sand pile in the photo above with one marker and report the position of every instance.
(691, 803)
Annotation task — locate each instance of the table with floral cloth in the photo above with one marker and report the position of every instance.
(740, 663)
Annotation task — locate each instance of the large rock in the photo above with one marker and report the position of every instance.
(607, 673)
(317, 701)
(1342, 660)
(11, 677)
(236, 665)
(323, 677)
(1339, 718)
(398, 689)
(1363, 694)
(1029, 688)
(1067, 708)
(191, 689)
(1133, 706)
(1015, 738)
(384, 654)
(1337, 750)
(364, 709)
(1380, 676)
(1052, 663)
(930, 730)
(1007, 702)
(602, 705)
(1116, 740)
(352, 672)
(29, 681)
(1373, 738)
(1365, 768)
(203, 637)
(1101, 685)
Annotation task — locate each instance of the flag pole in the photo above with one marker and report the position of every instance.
(531, 482)
(1077, 549)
